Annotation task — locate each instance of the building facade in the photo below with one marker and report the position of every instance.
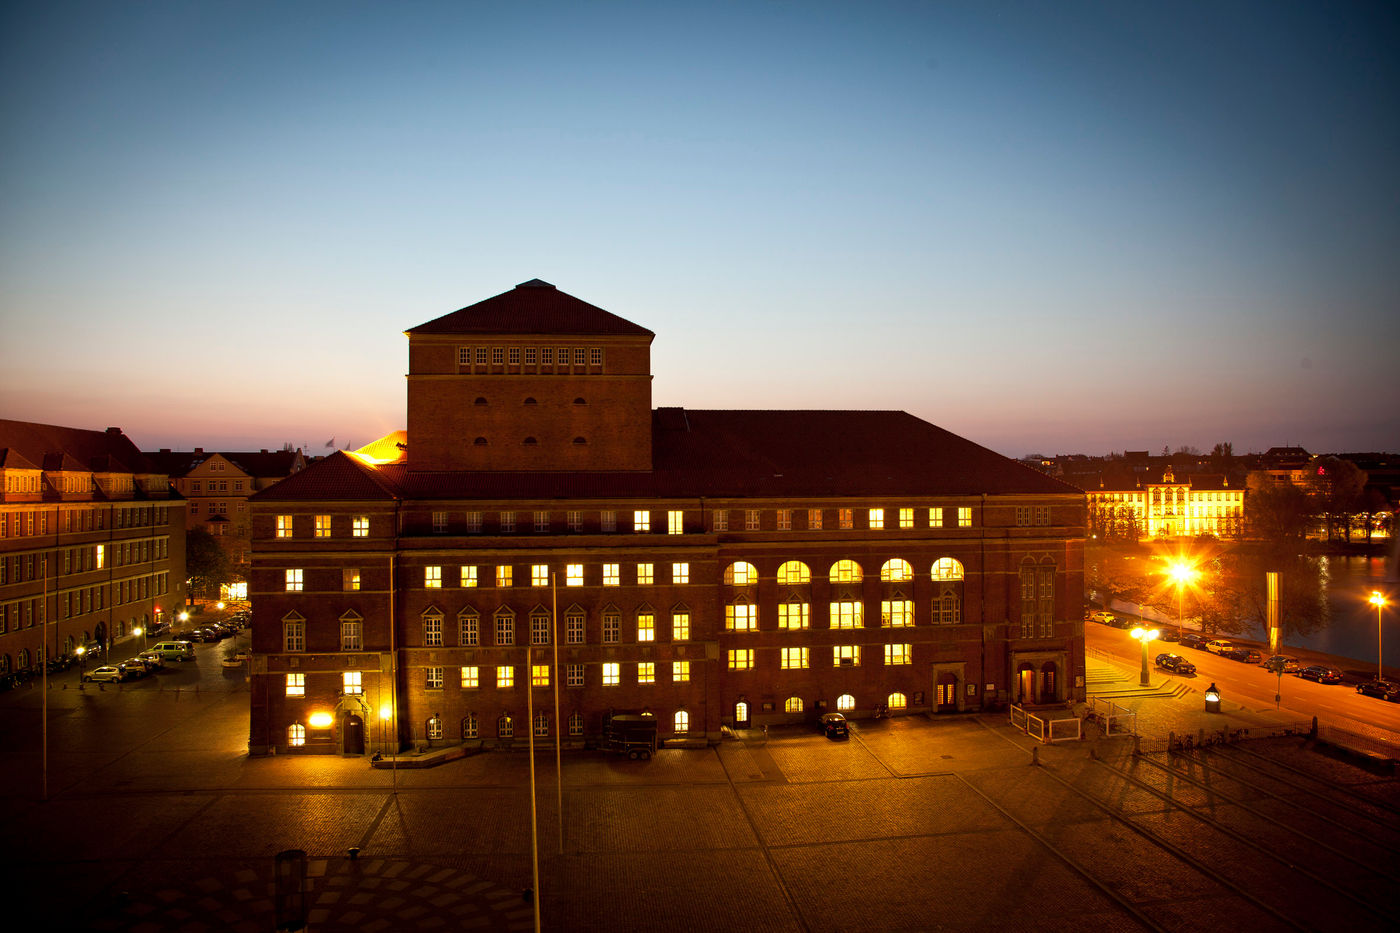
(542, 537)
(91, 542)
(1163, 506)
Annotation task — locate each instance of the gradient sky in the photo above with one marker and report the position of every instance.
(1049, 227)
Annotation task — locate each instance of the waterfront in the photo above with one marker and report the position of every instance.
(1350, 630)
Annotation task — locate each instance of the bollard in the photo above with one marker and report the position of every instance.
(1035, 754)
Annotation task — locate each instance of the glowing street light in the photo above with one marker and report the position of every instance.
(1379, 601)
(1146, 636)
(1182, 573)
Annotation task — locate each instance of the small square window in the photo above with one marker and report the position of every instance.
(323, 526)
(646, 672)
(906, 518)
(296, 685)
(814, 519)
(294, 580)
(935, 517)
(284, 525)
(612, 575)
(680, 672)
(574, 678)
(471, 677)
(350, 683)
(675, 522)
(539, 575)
(503, 574)
(644, 574)
(432, 578)
(359, 526)
(680, 573)
(505, 676)
(646, 627)
(439, 523)
(740, 659)
(845, 518)
(964, 517)
(785, 519)
(468, 575)
(541, 521)
(575, 521)
(752, 518)
(350, 578)
(607, 521)
(434, 678)
(612, 674)
(641, 521)
(680, 626)
(877, 519)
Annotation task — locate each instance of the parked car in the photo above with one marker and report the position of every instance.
(152, 659)
(105, 673)
(1383, 689)
(1193, 640)
(178, 650)
(133, 669)
(1218, 646)
(1101, 616)
(1175, 663)
(1321, 673)
(1247, 655)
(1290, 665)
(1168, 634)
(834, 726)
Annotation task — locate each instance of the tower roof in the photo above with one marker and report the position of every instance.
(533, 307)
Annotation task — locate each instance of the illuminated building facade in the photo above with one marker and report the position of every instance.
(92, 546)
(539, 527)
(1140, 507)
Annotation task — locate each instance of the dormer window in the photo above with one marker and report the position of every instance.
(579, 401)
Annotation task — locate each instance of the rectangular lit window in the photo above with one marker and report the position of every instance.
(539, 675)
(352, 635)
(612, 674)
(680, 573)
(296, 685)
(573, 675)
(607, 521)
(752, 519)
(294, 581)
(541, 521)
(896, 613)
(507, 522)
(439, 523)
(284, 526)
(644, 574)
(814, 519)
(573, 575)
(574, 628)
(471, 677)
(612, 627)
(740, 659)
(432, 577)
(721, 520)
(877, 519)
(433, 681)
(741, 617)
(965, 517)
(323, 526)
(680, 672)
(785, 519)
(641, 520)
(350, 683)
(467, 575)
(794, 659)
(845, 518)
(646, 672)
(646, 627)
(539, 575)
(575, 521)
(935, 517)
(359, 526)
(101, 556)
(505, 676)
(503, 575)
(432, 631)
(906, 518)
(846, 614)
(899, 654)
(680, 626)
(793, 615)
(474, 523)
(845, 656)
(675, 522)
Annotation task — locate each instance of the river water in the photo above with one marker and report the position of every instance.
(1351, 630)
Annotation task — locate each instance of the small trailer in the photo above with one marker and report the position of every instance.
(630, 733)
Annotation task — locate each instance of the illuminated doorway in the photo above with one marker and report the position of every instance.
(1025, 685)
(946, 691)
(741, 715)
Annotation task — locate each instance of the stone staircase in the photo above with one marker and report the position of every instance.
(1111, 681)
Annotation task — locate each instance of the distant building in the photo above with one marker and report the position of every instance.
(1134, 505)
(92, 544)
(710, 568)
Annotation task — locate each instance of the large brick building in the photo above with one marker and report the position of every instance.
(540, 526)
(92, 544)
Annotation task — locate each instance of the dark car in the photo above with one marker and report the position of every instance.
(1168, 634)
(1175, 663)
(833, 726)
(1193, 640)
(1247, 655)
(1322, 674)
(1383, 689)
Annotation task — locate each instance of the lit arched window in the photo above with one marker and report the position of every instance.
(845, 702)
(682, 725)
(794, 572)
(845, 571)
(740, 574)
(741, 616)
(505, 727)
(793, 705)
(896, 570)
(947, 568)
(435, 728)
(897, 701)
(296, 734)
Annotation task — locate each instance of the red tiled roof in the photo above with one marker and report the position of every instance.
(37, 441)
(261, 464)
(339, 476)
(770, 454)
(532, 307)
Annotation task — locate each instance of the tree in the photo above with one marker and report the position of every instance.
(1223, 451)
(1280, 514)
(1338, 486)
(206, 562)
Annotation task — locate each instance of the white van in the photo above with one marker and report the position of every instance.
(178, 650)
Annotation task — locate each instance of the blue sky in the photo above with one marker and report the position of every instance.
(1052, 227)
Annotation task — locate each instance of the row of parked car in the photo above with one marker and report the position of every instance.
(218, 631)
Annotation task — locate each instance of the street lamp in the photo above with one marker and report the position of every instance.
(81, 652)
(1146, 636)
(1183, 574)
(1379, 601)
(138, 630)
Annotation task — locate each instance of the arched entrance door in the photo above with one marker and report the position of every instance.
(354, 735)
(946, 691)
(1026, 684)
(741, 715)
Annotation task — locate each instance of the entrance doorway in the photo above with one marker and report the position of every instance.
(947, 693)
(1047, 681)
(354, 735)
(1025, 685)
(741, 715)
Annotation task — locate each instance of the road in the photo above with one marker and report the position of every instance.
(1255, 688)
